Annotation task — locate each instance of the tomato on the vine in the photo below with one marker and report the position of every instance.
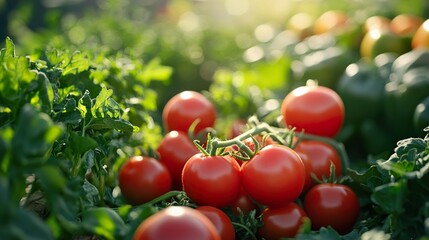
(334, 205)
(220, 220)
(174, 150)
(316, 110)
(274, 176)
(179, 223)
(282, 222)
(183, 109)
(142, 179)
(318, 160)
(211, 180)
(250, 143)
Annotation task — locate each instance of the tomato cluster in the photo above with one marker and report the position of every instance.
(254, 171)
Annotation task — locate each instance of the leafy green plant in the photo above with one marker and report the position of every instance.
(394, 192)
(64, 135)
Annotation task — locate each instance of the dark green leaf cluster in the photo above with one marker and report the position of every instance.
(394, 192)
(64, 133)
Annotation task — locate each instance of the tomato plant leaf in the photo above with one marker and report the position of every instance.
(9, 50)
(85, 105)
(45, 93)
(80, 144)
(101, 100)
(110, 123)
(51, 178)
(34, 136)
(91, 195)
(104, 222)
(390, 197)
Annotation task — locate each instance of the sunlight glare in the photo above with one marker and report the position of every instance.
(236, 7)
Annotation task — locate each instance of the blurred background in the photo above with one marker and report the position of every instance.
(247, 54)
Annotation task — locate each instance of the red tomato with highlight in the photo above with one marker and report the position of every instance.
(178, 223)
(185, 108)
(319, 156)
(282, 222)
(142, 179)
(274, 176)
(211, 180)
(220, 220)
(174, 151)
(334, 205)
(316, 110)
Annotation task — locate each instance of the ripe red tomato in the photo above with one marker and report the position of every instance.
(282, 222)
(243, 204)
(211, 180)
(220, 220)
(334, 205)
(178, 223)
(186, 107)
(316, 110)
(142, 179)
(174, 150)
(274, 176)
(319, 156)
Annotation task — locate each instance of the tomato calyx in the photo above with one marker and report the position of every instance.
(332, 178)
(216, 146)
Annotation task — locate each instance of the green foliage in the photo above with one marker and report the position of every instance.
(396, 190)
(65, 134)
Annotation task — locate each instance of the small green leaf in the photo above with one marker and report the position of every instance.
(91, 196)
(9, 50)
(35, 134)
(104, 222)
(46, 93)
(77, 63)
(51, 178)
(370, 178)
(390, 197)
(110, 123)
(406, 145)
(101, 100)
(89, 159)
(85, 104)
(80, 144)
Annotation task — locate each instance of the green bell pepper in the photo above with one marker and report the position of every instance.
(361, 88)
(402, 95)
(326, 66)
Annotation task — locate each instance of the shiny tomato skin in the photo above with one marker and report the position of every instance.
(274, 176)
(282, 222)
(178, 223)
(142, 179)
(319, 155)
(316, 110)
(211, 180)
(174, 151)
(220, 220)
(186, 107)
(334, 205)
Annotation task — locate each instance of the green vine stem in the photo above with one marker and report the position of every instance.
(283, 136)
